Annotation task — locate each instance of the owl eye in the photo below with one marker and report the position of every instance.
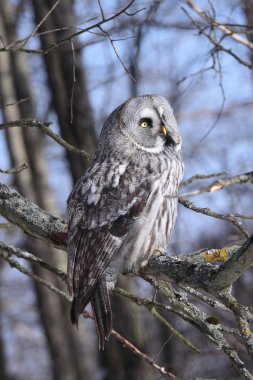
(146, 122)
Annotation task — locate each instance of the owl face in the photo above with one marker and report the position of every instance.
(145, 122)
(148, 122)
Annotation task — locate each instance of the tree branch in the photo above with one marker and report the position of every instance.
(193, 270)
(205, 276)
(31, 218)
(220, 26)
(45, 127)
(207, 211)
(190, 272)
(218, 184)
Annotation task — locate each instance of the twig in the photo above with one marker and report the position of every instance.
(203, 298)
(147, 358)
(150, 306)
(15, 264)
(147, 303)
(71, 36)
(207, 211)
(26, 39)
(9, 250)
(236, 215)
(242, 314)
(217, 44)
(220, 26)
(172, 330)
(201, 176)
(221, 184)
(45, 127)
(7, 225)
(200, 320)
(15, 170)
(220, 112)
(74, 81)
(116, 52)
(101, 10)
(15, 103)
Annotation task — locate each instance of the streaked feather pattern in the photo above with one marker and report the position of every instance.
(119, 210)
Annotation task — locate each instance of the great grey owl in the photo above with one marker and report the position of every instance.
(123, 208)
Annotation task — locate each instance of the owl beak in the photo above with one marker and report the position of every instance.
(164, 130)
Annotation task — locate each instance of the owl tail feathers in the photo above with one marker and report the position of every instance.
(101, 307)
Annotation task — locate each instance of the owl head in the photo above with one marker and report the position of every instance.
(146, 122)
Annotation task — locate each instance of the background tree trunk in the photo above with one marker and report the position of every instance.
(70, 99)
(68, 358)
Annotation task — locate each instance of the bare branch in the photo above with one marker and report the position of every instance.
(195, 270)
(228, 32)
(15, 264)
(217, 45)
(151, 307)
(74, 81)
(20, 47)
(186, 270)
(219, 184)
(207, 211)
(30, 218)
(24, 123)
(147, 358)
(15, 103)
(9, 250)
(200, 176)
(23, 42)
(116, 52)
(15, 170)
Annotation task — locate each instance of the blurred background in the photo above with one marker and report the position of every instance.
(49, 73)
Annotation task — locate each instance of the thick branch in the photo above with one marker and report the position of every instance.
(195, 270)
(205, 276)
(231, 270)
(30, 218)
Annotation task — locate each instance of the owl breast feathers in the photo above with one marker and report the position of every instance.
(123, 208)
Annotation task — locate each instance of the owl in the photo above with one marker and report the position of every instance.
(124, 206)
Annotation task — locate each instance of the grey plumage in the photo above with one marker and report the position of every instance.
(120, 210)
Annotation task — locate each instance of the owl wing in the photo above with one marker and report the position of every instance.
(102, 207)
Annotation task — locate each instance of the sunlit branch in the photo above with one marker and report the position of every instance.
(218, 184)
(217, 45)
(200, 176)
(228, 32)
